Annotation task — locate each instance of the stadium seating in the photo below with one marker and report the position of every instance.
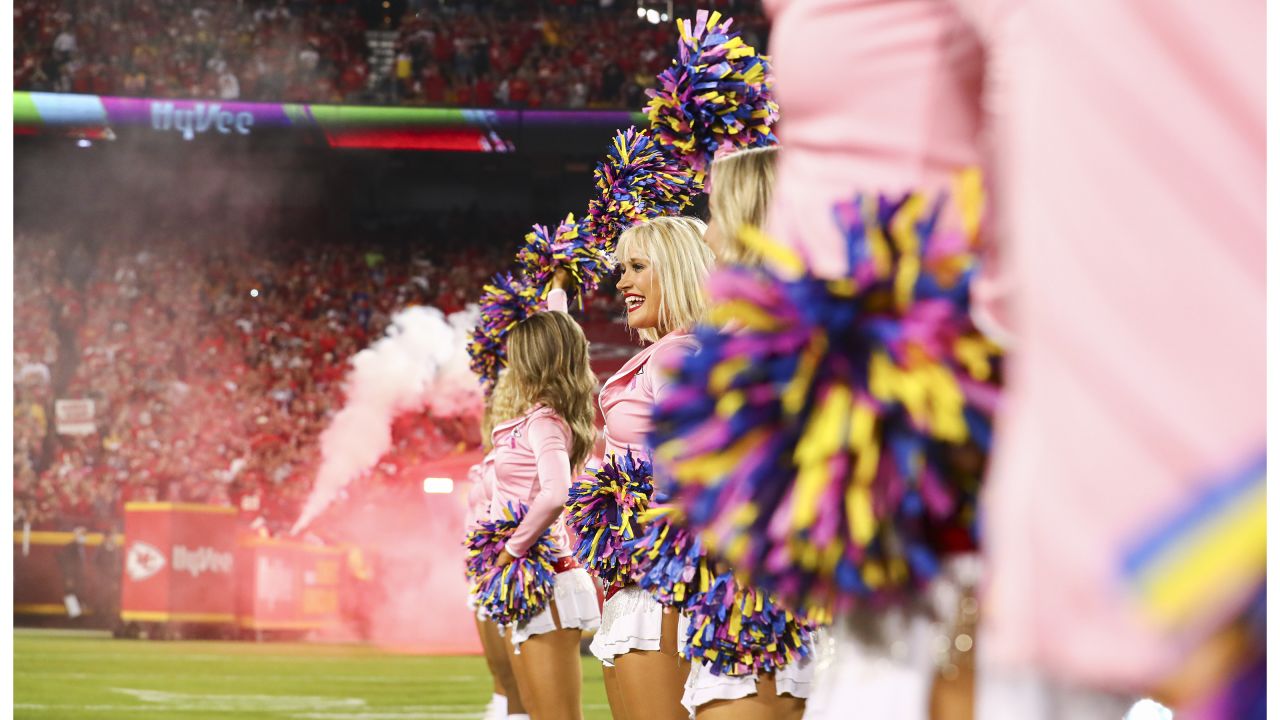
(558, 54)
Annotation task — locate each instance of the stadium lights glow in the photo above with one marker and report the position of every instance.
(253, 292)
(437, 485)
(653, 16)
(84, 142)
(665, 17)
(640, 12)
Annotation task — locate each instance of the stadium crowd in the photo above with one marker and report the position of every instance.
(562, 54)
(162, 48)
(213, 368)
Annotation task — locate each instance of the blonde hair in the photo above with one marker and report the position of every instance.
(502, 406)
(741, 186)
(682, 261)
(547, 363)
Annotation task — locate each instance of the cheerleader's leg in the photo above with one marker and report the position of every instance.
(612, 689)
(652, 681)
(504, 676)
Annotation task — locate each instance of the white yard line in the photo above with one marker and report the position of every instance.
(241, 703)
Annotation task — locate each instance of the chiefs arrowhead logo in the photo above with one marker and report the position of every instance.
(143, 561)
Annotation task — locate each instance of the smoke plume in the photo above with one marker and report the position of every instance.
(420, 363)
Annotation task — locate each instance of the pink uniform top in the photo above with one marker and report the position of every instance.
(906, 116)
(531, 460)
(1128, 142)
(627, 399)
(480, 495)
(525, 458)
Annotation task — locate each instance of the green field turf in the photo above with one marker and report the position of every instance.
(89, 675)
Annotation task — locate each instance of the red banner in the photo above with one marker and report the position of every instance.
(178, 564)
(284, 585)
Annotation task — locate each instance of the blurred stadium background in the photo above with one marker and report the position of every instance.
(216, 205)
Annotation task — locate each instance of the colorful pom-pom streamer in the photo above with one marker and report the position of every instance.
(831, 445)
(716, 94)
(604, 513)
(517, 592)
(571, 247)
(668, 559)
(506, 300)
(737, 630)
(636, 182)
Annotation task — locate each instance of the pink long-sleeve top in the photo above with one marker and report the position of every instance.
(558, 301)
(627, 399)
(532, 470)
(480, 494)
(532, 466)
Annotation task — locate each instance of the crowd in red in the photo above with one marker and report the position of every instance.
(163, 48)
(213, 367)
(562, 54)
(570, 58)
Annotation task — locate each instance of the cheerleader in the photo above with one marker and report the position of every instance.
(741, 185)
(506, 702)
(1135, 304)
(664, 265)
(535, 456)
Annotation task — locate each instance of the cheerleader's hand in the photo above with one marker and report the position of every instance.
(561, 280)
(504, 559)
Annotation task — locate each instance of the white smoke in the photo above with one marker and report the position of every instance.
(457, 389)
(420, 363)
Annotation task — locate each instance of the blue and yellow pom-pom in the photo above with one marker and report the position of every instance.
(519, 591)
(571, 247)
(716, 94)
(506, 300)
(604, 511)
(636, 182)
(668, 559)
(830, 447)
(737, 630)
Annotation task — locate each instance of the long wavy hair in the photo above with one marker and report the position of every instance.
(547, 362)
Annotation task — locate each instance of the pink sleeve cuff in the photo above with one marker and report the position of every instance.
(558, 301)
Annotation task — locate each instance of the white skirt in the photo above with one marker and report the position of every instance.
(576, 603)
(632, 620)
(892, 680)
(796, 679)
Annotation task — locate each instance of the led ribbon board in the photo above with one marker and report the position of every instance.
(341, 126)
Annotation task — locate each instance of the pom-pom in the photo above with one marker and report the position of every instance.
(570, 247)
(604, 512)
(520, 590)
(636, 182)
(831, 445)
(716, 94)
(506, 300)
(668, 559)
(737, 630)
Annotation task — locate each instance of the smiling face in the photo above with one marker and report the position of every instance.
(641, 292)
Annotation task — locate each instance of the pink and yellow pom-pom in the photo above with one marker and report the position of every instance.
(737, 630)
(517, 592)
(830, 447)
(570, 247)
(635, 182)
(604, 510)
(717, 94)
(506, 300)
